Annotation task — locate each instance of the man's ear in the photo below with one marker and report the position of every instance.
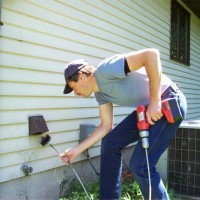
(82, 76)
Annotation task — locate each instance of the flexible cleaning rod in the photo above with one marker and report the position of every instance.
(44, 141)
(51, 145)
(149, 177)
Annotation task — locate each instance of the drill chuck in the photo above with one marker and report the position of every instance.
(145, 143)
(144, 134)
(145, 138)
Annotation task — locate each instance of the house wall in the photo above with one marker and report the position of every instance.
(188, 77)
(39, 38)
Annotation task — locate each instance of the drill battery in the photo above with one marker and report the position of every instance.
(171, 110)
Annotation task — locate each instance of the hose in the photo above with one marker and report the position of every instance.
(90, 162)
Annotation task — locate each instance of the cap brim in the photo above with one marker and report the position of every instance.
(67, 89)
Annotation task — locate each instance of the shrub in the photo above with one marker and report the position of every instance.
(130, 190)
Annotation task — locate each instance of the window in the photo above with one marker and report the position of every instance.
(180, 33)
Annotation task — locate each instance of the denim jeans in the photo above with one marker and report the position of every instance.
(125, 133)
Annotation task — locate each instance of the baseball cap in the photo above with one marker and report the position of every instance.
(72, 68)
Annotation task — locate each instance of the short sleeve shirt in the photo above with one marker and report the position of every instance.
(118, 88)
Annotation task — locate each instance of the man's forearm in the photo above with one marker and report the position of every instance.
(154, 72)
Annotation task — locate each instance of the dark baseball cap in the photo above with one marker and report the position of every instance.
(72, 68)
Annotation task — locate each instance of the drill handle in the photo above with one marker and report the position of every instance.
(142, 121)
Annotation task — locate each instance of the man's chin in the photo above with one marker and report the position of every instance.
(86, 96)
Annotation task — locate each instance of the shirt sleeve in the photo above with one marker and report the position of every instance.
(113, 67)
(99, 99)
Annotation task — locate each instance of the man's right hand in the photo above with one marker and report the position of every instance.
(68, 156)
(154, 112)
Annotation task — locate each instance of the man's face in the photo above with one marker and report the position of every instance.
(81, 87)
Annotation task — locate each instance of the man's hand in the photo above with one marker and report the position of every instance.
(154, 112)
(68, 156)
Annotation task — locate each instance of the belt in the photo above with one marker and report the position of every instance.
(174, 87)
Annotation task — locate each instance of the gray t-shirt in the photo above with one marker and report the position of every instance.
(125, 90)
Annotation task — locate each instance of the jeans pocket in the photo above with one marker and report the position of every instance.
(183, 104)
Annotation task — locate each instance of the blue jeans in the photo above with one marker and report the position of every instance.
(125, 133)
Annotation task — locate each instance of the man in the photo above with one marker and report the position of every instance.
(128, 79)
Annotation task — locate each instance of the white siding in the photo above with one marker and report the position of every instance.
(39, 37)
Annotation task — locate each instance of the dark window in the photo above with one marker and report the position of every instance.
(180, 33)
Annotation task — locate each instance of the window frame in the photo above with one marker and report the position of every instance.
(182, 16)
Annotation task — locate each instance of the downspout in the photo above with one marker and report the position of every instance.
(1, 23)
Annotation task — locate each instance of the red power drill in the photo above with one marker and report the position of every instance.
(143, 126)
(170, 109)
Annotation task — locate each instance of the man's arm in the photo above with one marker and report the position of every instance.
(106, 115)
(150, 59)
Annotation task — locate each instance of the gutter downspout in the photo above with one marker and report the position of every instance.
(1, 23)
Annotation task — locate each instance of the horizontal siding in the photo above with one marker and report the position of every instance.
(38, 39)
(49, 160)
